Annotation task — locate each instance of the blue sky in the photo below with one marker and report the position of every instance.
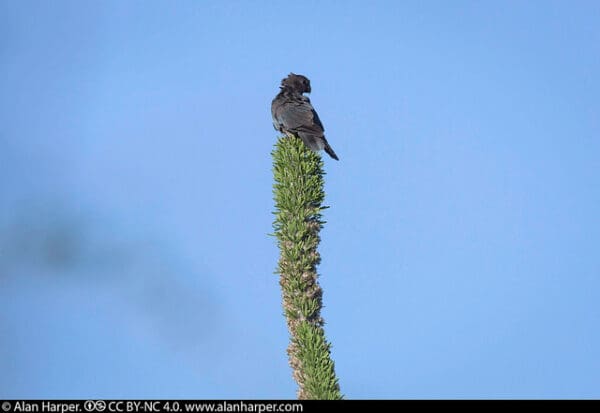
(460, 254)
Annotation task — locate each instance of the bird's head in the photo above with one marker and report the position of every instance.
(296, 83)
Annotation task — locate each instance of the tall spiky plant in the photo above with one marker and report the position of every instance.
(298, 193)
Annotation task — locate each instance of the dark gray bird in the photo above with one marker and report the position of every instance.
(294, 115)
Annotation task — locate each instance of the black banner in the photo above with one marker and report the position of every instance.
(222, 406)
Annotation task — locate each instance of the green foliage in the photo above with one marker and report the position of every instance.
(298, 193)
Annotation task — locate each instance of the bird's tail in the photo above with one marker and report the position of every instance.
(330, 151)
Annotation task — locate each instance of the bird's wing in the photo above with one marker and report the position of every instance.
(298, 115)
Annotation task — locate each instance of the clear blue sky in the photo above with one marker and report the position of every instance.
(460, 257)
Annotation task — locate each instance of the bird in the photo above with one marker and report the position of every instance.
(294, 115)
